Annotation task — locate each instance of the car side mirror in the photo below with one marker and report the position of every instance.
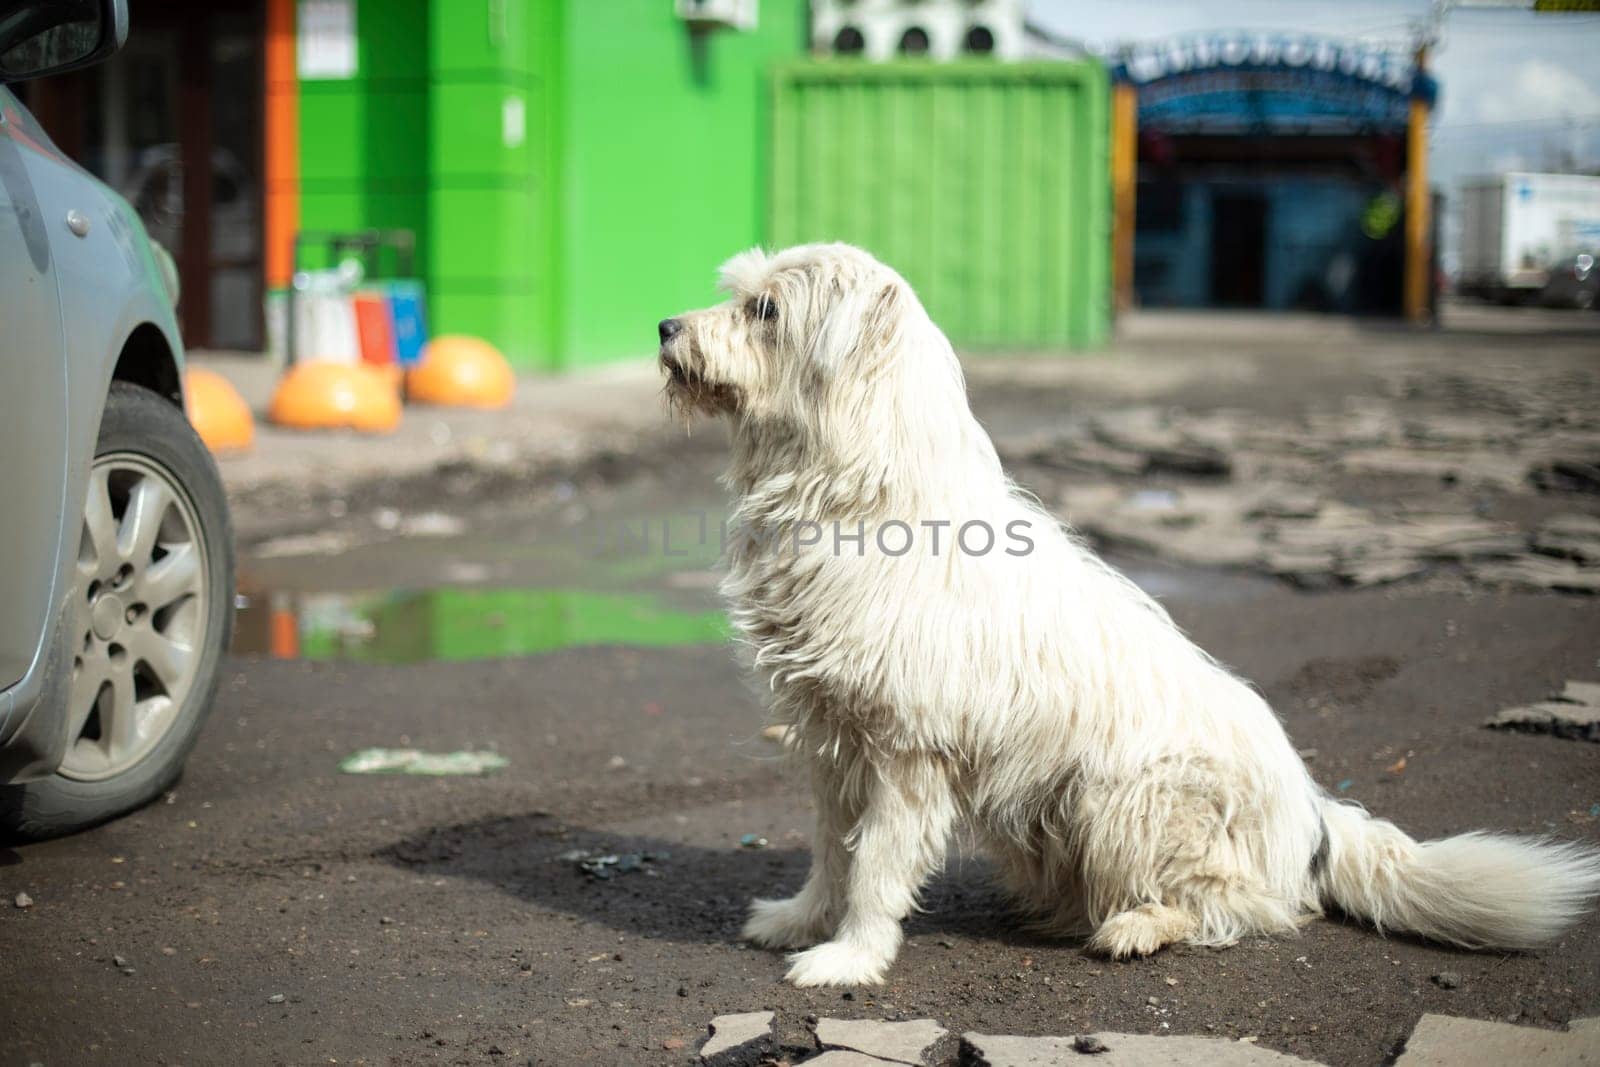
(39, 37)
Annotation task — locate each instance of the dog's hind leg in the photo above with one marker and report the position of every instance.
(1180, 853)
(907, 816)
(811, 914)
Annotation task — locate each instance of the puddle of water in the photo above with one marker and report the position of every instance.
(642, 549)
(633, 567)
(460, 624)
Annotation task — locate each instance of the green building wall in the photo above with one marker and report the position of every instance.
(663, 163)
(494, 86)
(636, 168)
(363, 141)
(575, 170)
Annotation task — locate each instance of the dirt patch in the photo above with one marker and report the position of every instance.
(1341, 679)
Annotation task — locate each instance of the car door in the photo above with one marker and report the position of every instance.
(33, 405)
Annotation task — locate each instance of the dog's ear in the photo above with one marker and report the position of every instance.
(881, 328)
(861, 331)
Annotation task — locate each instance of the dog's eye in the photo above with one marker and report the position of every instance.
(763, 307)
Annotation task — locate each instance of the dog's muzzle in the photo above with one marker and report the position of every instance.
(668, 330)
(674, 369)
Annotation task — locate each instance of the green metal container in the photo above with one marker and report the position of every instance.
(985, 184)
(363, 139)
(574, 169)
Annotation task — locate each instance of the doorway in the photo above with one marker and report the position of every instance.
(1238, 249)
(173, 122)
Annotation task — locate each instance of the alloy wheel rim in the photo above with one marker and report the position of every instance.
(139, 624)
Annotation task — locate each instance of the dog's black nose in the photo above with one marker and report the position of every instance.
(668, 329)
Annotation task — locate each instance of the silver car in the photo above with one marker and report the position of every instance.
(116, 556)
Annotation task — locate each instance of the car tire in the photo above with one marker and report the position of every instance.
(151, 433)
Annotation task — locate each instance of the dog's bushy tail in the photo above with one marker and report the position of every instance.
(1476, 890)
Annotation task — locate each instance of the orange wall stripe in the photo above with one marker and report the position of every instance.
(1124, 179)
(1419, 222)
(283, 144)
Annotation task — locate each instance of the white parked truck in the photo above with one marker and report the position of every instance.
(1516, 226)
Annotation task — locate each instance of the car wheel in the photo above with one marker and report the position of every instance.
(150, 617)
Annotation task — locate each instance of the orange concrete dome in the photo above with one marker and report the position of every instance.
(461, 371)
(323, 395)
(216, 411)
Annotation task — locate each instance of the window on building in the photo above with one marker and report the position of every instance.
(849, 42)
(980, 41)
(914, 42)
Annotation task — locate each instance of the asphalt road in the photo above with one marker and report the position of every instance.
(274, 910)
(410, 920)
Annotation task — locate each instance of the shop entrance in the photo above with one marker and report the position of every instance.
(1238, 250)
(173, 122)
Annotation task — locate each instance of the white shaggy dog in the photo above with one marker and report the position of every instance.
(1128, 786)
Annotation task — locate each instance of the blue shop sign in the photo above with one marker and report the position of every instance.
(1272, 83)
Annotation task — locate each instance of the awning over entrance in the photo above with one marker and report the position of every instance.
(1272, 84)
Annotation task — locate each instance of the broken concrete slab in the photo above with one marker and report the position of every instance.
(1201, 526)
(903, 1042)
(1311, 571)
(1285, 531)
(1286, 502)
(1268, 518)
(1477, 429)
(1581, 693)
(1573, 714)
(1568, 474)
(1401, 461)
(738, 1039)
(1196, 461)
(1574, 537)
(847, 1058)
(1444, 1041)
(1538, 572)
(1140, 440)
(1121, 1050)
(1083, 454)
(1380, 570)
(998, 1050)
(1455, 537)
(1139, 429)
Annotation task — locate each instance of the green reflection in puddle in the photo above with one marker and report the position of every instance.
(462, 624)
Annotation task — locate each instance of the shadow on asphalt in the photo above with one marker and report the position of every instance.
(683, 892)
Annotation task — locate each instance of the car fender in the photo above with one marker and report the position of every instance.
(113, 291)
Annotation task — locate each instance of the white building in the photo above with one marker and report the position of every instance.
(937, 29)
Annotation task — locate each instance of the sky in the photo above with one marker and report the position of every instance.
(1518, 90)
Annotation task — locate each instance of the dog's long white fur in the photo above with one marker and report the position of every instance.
(1128, 786)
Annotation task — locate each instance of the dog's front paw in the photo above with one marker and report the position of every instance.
(838, 963)
(1141, 931)
(790, 923)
